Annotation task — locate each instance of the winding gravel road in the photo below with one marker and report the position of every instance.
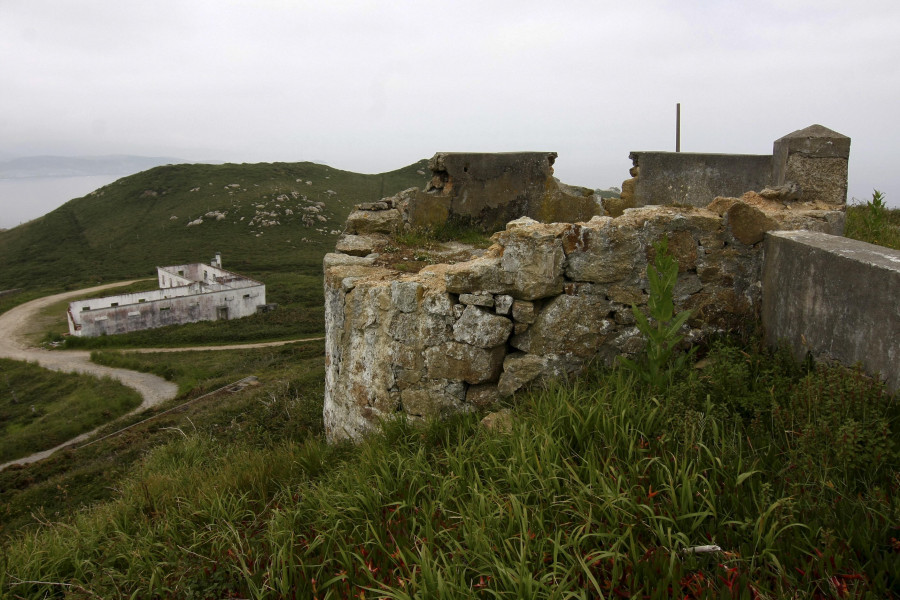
(153, 389)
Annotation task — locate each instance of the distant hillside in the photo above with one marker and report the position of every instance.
(78, 166)
(261, 217)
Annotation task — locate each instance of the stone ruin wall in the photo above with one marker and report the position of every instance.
(542, 301)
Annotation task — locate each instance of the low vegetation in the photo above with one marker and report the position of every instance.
(285, 405)
(604, 488)
(40, 409)
(455, 229)
(874, 222)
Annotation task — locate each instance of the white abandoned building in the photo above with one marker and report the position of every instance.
(186, 294)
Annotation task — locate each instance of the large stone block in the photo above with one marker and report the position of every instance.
(480, 328)
(434, 398)
(607, 253)
(520, 370)
(695, 178)
(816, 158)
(819, 296)
(480, 274)
(361, 222)
(533, 259)
(576, 325)
(455, 360)
(492, 189)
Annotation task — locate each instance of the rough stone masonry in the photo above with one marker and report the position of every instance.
(542, 301)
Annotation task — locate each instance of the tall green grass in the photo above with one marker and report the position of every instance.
(601, 490)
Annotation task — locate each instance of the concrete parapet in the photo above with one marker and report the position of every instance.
(695, 179)
(808, 165)
(835, 298)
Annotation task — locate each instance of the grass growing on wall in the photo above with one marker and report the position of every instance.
(40, 409)
(602, 489)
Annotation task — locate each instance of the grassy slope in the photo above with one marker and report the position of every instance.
(598, 490)
(40, 409)
(287, 404)
(126, 229)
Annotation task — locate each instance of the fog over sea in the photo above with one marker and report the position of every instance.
(26, 198)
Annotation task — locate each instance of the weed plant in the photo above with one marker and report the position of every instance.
(873, 222)
(659, 361)
(602, 490)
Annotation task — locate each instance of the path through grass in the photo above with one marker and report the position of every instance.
(40, 409)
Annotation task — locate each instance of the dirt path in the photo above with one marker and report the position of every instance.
(226, 347)
(153, 389)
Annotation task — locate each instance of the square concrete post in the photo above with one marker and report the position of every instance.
(816, 158)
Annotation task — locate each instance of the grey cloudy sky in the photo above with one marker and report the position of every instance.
(374, 85)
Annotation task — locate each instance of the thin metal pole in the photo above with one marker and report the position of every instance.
(678, 127)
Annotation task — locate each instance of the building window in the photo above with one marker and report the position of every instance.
(162, 308)
(113, 304)
(84, 308)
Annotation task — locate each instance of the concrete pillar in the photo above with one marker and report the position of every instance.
(816, 158)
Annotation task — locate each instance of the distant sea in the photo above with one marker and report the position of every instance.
(27, 198)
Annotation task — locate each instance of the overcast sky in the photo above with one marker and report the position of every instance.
(372, 86)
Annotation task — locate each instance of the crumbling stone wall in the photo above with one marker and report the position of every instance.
(483, 189)
(542, 301)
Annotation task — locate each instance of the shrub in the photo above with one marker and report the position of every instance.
(659, 362)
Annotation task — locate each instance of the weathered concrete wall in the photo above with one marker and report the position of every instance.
(834, 297)
(181, 275)
(483, 189)
(808, 165)
(541, 302)
(231, 296)
(695, 179)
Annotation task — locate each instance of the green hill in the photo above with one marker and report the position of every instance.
(261, 217)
